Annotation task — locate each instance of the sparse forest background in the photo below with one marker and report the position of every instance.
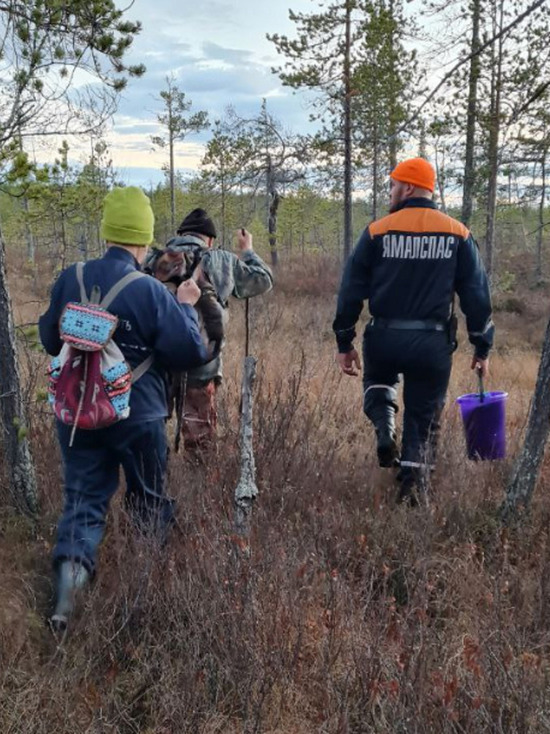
(463, 83)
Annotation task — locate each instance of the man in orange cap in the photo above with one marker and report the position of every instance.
(408, 266)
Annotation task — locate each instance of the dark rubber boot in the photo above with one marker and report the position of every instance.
(408, 495)
(413, 490)
(388, 453)
(384, 425)
(71, 578)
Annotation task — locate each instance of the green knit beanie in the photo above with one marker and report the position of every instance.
(127, 217)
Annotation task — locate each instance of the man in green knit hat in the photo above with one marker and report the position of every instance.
(154, 327)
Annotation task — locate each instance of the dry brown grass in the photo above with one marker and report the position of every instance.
(351, 615)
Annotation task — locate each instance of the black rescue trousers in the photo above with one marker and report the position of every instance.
(424, 359)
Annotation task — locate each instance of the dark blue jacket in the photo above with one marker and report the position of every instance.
(150, 321)
(409, 265)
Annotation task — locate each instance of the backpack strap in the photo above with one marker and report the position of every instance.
(111, 294)
(120, 286)
(80, 279)
(142, 368)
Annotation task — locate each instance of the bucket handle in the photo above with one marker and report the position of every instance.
(479, 373)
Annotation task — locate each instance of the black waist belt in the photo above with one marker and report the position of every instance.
(409, 324)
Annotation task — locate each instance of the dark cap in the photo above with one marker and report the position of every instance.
(199, 222)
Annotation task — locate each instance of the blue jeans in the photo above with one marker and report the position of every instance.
(91, 468)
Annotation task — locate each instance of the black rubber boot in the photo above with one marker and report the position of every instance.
(408, 494)
(384, 424)
(414, 485)
(71, 578)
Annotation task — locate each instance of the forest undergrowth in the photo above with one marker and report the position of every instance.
(351, 614)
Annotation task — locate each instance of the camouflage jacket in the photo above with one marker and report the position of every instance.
(229, 275)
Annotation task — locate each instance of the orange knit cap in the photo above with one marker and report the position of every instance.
(415, 171)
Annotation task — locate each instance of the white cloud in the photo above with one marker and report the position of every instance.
(219, 54)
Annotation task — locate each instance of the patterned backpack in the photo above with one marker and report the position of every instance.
(90, 381)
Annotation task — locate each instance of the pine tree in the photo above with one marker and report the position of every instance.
(474, 11)
(384, 84)
(227, 153)
(177, 123)
(324, 57)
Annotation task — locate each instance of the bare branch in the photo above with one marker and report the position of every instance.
(519, 19)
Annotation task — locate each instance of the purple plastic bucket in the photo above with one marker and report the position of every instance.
(484, 424)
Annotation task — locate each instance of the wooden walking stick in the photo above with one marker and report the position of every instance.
(246, 490)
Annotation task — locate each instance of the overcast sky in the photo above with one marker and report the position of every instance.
(219, 54)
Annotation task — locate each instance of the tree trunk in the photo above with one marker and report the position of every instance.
(394, 138)
(172, 186)
(540, 233)
(15, 445)
(102, 243)
(64, 244)
(223, 207)
(522, 484)
(171, 173)
(274, 200)
(28, 232)
(493, 153)
(375, 172)
(469, 174)
(55, 239)
(31, 244)
(272, 206)
(348, 231)
(83, 244)
(440, 177)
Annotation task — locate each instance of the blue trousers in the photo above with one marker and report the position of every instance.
(91, 467)
(424, 358)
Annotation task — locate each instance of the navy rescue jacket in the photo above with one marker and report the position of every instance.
(408, 265)
(151, 321)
